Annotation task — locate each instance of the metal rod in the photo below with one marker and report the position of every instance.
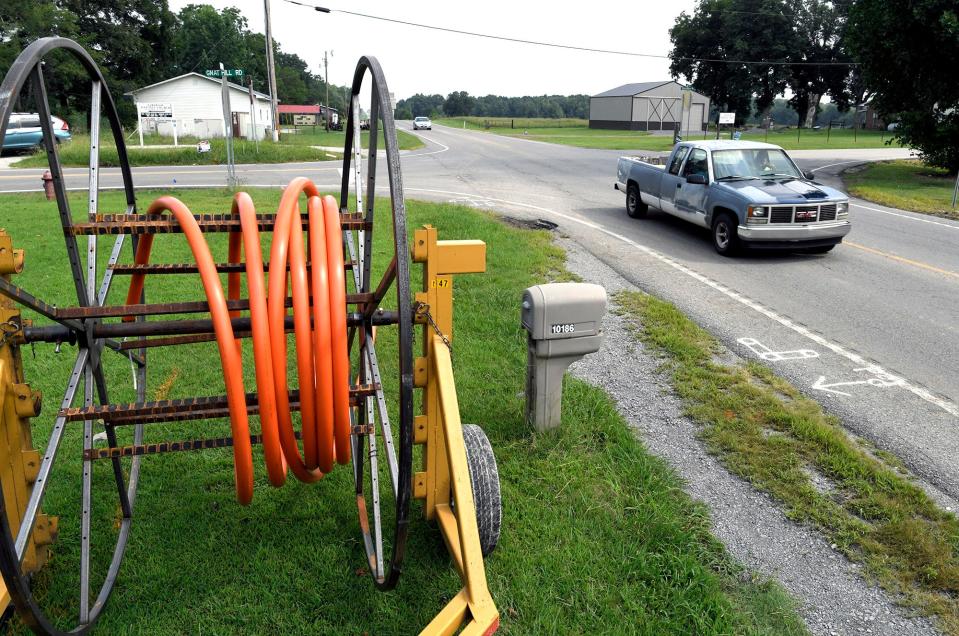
(63, 204)
(46, 464)
(241, 328)
(87, 479)
(125, 413)
(208, 223)
(160, 309)
(192, 268)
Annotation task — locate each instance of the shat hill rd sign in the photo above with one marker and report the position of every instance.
(230, 72)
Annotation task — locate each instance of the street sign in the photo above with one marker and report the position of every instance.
(159, 113)
(155, 110)
(230, 72)
(727, 118)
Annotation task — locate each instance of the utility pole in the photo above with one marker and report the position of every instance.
(326, 74)
(271, 71)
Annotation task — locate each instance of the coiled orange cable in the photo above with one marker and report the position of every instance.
(321, 350)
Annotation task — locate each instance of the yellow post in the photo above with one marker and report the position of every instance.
(445, 469)
(19, 462)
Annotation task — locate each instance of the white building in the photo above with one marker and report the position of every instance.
(648, 106)
(197, 107)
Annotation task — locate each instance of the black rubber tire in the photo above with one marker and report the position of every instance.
(635, 207)
(484, 477)
(822, 249)
(725, 239)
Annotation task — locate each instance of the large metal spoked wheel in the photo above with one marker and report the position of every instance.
(380, 263)
(25, 80)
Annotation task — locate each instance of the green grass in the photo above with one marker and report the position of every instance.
(583, 137)
(764, 430)
(598, 536)
(908, 185)
(334, 139)
(76, 153)
(520, 123)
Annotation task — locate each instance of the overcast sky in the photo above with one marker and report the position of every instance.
(417, 60)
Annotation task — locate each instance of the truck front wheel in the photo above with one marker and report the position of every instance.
(725, 239)
(635, 207)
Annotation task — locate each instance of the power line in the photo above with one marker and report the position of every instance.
(569, 47)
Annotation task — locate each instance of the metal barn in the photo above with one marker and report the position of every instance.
(648, 106)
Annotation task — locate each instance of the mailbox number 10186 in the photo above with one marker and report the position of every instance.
(563, 328)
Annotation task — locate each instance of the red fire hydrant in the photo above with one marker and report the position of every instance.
(47, 179)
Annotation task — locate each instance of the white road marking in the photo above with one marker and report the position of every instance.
(841, 163)
(769, 355)
(881, 380)
(919, 391)
(906, 216)
(426, 154)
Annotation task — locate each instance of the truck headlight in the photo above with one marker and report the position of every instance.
(757, 215)
(842, 209)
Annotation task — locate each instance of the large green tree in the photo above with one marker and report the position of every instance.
(907, 52)
(715, 47)
(746, 52)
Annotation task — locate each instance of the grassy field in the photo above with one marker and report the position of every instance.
(76, 153)
(517, 123)
(583, 137)
(598, 536)
(334, 139)
(908, 185)
(291, 148)
(764, 430)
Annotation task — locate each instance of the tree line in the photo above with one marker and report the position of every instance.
(139, 42)
(462, 104)
(898, 57)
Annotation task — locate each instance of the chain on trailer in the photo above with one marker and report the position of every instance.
(341, 292)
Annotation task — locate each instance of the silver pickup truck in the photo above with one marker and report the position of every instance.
(748, 193)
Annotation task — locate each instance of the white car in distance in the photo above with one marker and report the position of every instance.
(422, 123)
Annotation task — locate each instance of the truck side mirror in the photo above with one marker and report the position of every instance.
(808, 174)
(696, 179)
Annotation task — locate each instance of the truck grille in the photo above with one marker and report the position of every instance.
(781, 214)
(802, 213)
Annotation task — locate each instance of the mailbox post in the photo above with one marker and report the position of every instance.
(564, 323)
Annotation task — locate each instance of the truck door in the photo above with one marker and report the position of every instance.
(672, 182)
(691, 197)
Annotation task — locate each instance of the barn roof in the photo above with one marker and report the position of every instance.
(628, 90)
(211, 79)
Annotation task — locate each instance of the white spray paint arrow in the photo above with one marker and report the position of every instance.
(881, 380)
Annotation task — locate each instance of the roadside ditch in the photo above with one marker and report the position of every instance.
(808, 544)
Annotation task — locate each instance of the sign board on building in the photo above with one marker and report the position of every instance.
(727, 118)
(230, 72)
(304, 120)
(155, 110)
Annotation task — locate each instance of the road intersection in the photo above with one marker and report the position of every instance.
(875, 318)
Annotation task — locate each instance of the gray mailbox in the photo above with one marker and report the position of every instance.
(564, 323)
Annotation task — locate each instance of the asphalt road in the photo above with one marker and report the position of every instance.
(869, 330)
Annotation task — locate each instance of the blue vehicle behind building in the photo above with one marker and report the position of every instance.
(24, 131)
(748, 194)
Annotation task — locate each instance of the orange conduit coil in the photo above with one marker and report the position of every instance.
(321, 351)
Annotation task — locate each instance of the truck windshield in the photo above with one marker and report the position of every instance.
(753, 163)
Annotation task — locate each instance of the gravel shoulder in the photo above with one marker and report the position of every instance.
(832, 596)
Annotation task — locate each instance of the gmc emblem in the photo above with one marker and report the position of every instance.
(805, 216)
